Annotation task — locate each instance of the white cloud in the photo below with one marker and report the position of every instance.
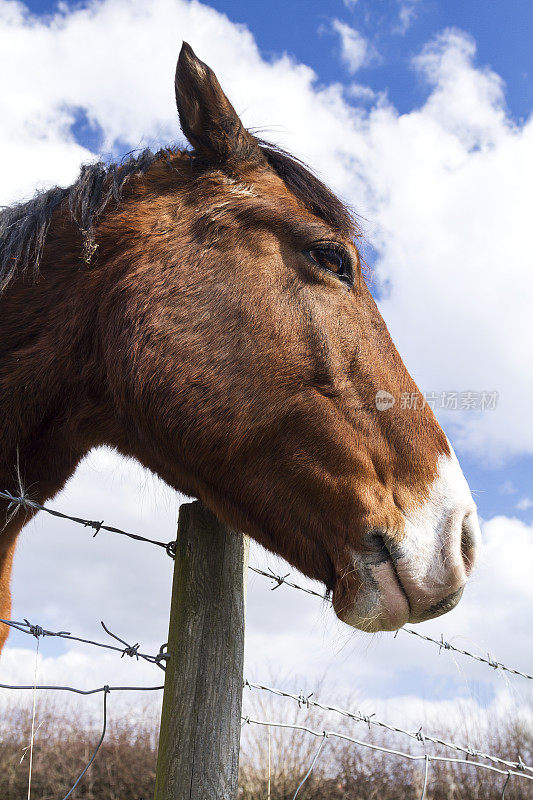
(500, 594)
(507, 487)
(468, 103)
(356, 51)
(448, 193)
(407, 13)
(524, 504)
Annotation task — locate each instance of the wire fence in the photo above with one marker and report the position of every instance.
(504, 767)
(24, 502)
(442, 644)
(305, 701)
(126, 650)
(428, 757)
(497, 765)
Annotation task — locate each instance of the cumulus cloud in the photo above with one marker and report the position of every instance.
(356, 51)
(451, 199)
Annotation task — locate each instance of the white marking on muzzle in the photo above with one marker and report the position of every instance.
(427, 568)
(439, 542)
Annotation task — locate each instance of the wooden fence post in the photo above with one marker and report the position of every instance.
(198, 755)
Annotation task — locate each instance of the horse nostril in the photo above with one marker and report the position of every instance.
(382, 547)
(377, 549)
(469, 539)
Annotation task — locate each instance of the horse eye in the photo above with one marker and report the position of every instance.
(333, 260)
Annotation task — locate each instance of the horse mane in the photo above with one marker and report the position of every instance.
(24, 226)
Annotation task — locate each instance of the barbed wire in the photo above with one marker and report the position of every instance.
(444, 645)
(305, 701)
(441, 643)
(302, 700)
(131, 650)
(427, 757)
(25, 502)
(517, 769)
(512, 768)
(127, 650)
(278, 580)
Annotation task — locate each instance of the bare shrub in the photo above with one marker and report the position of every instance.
(125, 766)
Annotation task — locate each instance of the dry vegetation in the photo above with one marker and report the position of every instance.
(125, 766)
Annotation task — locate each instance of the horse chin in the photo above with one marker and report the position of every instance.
(372, 602)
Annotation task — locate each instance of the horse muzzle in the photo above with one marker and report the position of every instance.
(419, 573)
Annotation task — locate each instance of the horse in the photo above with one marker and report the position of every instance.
(205, 311)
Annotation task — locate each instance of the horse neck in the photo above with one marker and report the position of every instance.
(36, 384)
(45, 358)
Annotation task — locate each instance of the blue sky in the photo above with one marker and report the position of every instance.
(501, 29)
(434, 153)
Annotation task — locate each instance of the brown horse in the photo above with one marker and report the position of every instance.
(205, 313)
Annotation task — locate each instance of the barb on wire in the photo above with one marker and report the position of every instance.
(427, 757)
(127, 650)
(442, 644)
(97, 526)
(280, 579)
(131, 650)
(371, 719)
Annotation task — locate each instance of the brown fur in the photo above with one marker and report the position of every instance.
(201, 341)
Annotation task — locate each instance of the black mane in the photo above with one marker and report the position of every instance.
(314, 194)
(24, 227)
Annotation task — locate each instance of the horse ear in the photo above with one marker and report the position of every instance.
(207, 117)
